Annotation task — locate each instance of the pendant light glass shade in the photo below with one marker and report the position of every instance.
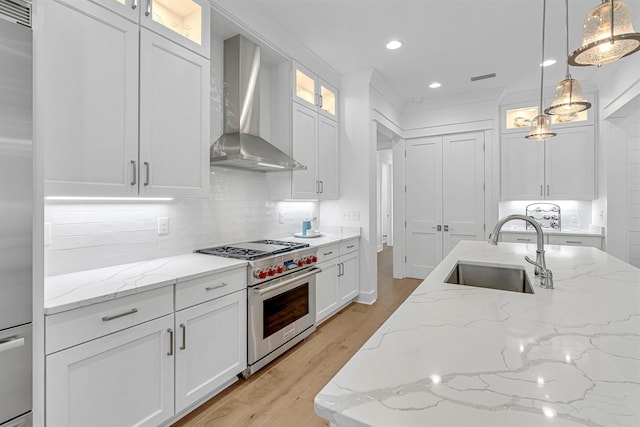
(540, 128)
(599, 45)
(567, 98)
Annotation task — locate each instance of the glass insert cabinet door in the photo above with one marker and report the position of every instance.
(313, 92)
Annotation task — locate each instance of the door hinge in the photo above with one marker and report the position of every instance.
(405, 258)
(405, 224)
(483, 146)
(405, 188)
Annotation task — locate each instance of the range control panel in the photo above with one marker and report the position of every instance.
(283, 267)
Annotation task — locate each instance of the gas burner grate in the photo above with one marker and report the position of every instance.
(234, 252)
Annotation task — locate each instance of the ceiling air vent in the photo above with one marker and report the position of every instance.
(482, 77)
(17, 11)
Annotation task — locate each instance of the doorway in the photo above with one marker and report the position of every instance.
(384, 189)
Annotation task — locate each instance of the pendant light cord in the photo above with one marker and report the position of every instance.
(612, 22)
(566, 33)
(544, 13)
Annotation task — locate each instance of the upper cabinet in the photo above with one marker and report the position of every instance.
(311, 91)
(121, 110)
(185, 22)
(517, 117)
(560, 168)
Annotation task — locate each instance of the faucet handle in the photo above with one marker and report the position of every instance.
(547, 276)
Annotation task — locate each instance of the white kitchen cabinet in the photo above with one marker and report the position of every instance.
(313, 92)
(339, 281)
(315, 144)
(121, 379)
(211, 346)
(185, 22)
(103, 132)
(554, 239)
(560, 168)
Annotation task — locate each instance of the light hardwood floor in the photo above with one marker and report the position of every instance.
(282, 393)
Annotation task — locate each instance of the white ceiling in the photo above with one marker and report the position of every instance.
(447, 41)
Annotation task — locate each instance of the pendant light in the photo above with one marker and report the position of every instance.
(567, 98)
(541, 124)
(607, 36)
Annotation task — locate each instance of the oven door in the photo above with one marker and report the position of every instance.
(279, 310)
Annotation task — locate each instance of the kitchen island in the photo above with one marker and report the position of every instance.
(455, 355)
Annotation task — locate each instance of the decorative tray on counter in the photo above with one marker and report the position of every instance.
(547, 215)
(307, 236)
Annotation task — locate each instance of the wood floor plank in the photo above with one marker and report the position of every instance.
(281, 394)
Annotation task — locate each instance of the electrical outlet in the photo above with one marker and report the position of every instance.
(346, 216)
(355, 216)
(163, 226)
(47, 234)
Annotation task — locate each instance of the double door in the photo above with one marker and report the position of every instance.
(444, 200)
(122, 110)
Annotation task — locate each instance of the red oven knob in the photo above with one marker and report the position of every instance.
(279, 269)
(262, 274)
(271, 272)
(308, 260)
(314, 259)
(300, 263)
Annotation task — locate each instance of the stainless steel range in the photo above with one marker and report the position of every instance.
(281, 297)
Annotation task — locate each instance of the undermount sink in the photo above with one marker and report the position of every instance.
(493, 276)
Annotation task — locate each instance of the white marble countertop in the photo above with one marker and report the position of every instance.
(455, 355)
(73, 290)
(553, 232)
(327, 237)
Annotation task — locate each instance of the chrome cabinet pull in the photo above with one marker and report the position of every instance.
(134, 176)
(117, 316)
(148, 11)
(134, 4)
(321, 186)
(184, 336)
(541, 191)
(146, 177)
(320, 98)
(350, 246)
(547, 189)
(437, 227)
(576, 242)
(11, 343)
(211, 288)
(170, 353)
(523, 240)
(327, 253)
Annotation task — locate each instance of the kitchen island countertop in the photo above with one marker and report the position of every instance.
(455, 355)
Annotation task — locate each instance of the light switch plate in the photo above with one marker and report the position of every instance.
(163, 226)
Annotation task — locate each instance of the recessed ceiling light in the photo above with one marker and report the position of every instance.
(417, 100)
(548, 62)
(435, 85)
(394, 44)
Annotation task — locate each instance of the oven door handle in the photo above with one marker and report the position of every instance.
(311, 272)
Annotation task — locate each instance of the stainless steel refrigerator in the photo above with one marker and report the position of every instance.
(16, 217)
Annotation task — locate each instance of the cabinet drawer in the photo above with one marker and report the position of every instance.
(76, 326)
(349, 246)
(592, 241)
(519, 238)
(328, 252)
(206, 288)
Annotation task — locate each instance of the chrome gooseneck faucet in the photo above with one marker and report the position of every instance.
(540, 263)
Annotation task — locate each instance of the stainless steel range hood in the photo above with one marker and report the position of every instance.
(241, 146)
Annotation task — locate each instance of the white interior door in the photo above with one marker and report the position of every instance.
(423, 205)
(463, 188)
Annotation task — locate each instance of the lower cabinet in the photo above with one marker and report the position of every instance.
(139, 360)
(211, 346)
(338, 283)
(122, 379)
(553, 239)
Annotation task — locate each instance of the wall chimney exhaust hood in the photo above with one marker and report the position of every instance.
(241, 146)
